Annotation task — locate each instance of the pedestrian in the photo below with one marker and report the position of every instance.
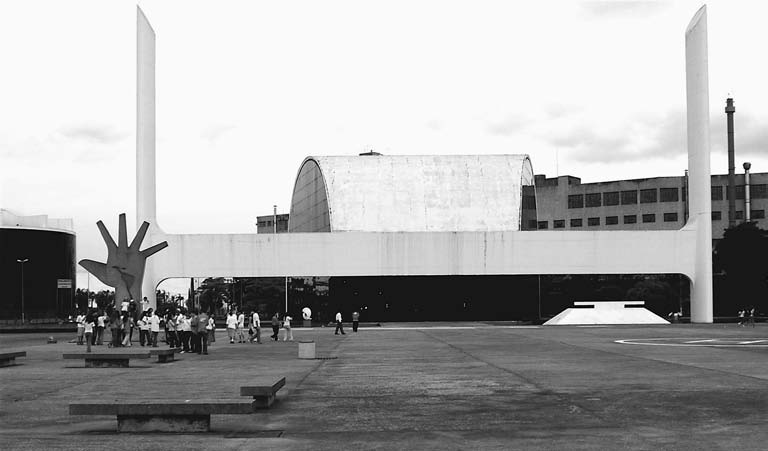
(355, 320)
(275, 325)
(115, 326)
(80, 320)
(185, 327)
(741, 317)
(255, 327)
(144, 329)
(101, 323)
(154, 327)
(202, 332)
(240, 327)
(172, 325)
(231, 326)
(752, 316)
(211, 328)
(88, 325)
(127, 327)
(339, 324)
(287, 326)
(194, 324)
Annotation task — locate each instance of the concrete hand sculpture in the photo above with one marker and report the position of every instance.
(124, 269)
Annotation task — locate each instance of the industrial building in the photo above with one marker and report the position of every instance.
(37, 267)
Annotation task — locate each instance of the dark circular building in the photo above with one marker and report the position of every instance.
(37, 258)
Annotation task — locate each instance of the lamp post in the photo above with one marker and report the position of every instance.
(22, 261)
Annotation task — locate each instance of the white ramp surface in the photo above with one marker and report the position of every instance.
(606, 312)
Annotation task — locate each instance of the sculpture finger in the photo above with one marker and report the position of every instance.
(136, 243)
(111, 246)
(122, 234)
(148, 252)
(97, 269)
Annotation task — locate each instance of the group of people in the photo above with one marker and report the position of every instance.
(191, 330)
(747, 317)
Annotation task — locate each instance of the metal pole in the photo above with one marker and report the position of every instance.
(729, 110)
(23, 319)
(286, 295)
(274, 219)
(747, 200)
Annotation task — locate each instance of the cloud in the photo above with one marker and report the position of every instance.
(613, 8)
(100, 134)
(514, 123)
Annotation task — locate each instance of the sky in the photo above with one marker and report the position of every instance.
(247, 89)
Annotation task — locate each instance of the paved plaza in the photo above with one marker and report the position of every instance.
(421, 386)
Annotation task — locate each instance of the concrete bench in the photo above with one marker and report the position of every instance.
(263, 395)
(9, 358)
(164, 355)
(109, 360)
(163, 415)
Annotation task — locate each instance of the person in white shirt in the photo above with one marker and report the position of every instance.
(241, 328)
(287, 327)
(88, 330)
(255, 327)
(144, 330)
(80, 320)
(154, 327)
(185, 326)
(231, 326)
(339, 324)
(101, 323)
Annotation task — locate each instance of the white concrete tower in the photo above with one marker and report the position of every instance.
(146, 209)
(700, 204)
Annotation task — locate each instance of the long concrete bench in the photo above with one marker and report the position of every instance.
(263, 395)
(165, 354)
(163, 415)
(9, 358)
(112, 359)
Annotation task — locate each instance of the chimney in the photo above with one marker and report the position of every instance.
(729, 110)
(747, 202)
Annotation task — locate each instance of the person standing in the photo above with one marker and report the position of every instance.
(172, 326)
(211, 328)
(275, 325)
(127, 327)
(355, 320)
(339, 324)
(202, 332)
(255, 327)
(751, 320)
(231, 326)
(144, 330)
(194, 324)
(185, 328)
(114, 327)
(101, 323)
(241, 327)
(154, 327)
(741, 317)
(88, 325)
(287, 326)
(80, 319)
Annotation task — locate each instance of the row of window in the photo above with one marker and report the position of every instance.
(632, 219)
(654, 195)
(629, 197)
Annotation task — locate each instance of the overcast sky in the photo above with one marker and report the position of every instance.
(246, 90)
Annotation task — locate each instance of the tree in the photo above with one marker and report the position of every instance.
(737, 257)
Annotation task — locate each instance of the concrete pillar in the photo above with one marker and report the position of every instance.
(700, 201)
(145, 143)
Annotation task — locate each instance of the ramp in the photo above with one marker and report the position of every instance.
(606, 312)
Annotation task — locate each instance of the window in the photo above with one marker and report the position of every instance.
(611, 198)
(648, 196)
(628, 197)
(669, 194)
(576, 201)
(543, 225)
(670, 217)
(593, 200)
(576, 222)
(717, 215)
(630, 219)
(757, 214)
(558, 224)
(649, 218)
(611, 220)
(717, 193)
(593, 221)
(739, 192)
(758, 191)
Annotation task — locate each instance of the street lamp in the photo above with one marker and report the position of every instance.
(22, 286)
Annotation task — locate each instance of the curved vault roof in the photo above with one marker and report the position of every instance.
(417, 193)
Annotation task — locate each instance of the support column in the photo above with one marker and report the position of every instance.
(697, 93)
(146, 195)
